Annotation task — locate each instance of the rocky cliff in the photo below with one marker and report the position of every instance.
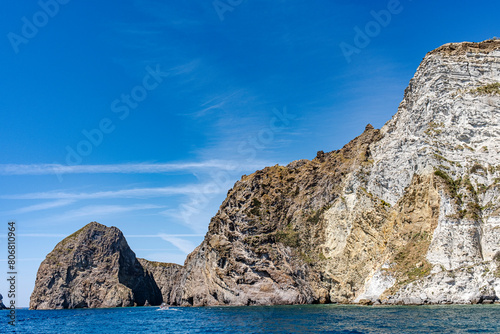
(93, 267)
(407, 214)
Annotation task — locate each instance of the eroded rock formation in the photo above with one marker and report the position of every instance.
(93, 267)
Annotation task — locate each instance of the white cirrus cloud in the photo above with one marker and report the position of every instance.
(184, 245)
(122, 193)
(41, 206)
(38, 235)
(29, 259)
(96, 211)
(131, 168)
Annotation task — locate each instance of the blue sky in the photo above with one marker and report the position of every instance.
(142, 114)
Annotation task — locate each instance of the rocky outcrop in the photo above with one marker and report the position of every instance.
(93, 267)
(408, 214)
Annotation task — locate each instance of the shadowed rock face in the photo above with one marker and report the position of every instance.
(166, 275)
(94, 267)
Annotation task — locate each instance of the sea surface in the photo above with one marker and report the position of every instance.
(260, 319)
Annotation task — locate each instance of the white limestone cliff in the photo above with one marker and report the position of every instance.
(445, 124)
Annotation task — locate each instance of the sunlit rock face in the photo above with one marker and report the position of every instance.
(405, 214)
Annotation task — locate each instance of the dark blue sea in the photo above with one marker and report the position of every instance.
(272, 319)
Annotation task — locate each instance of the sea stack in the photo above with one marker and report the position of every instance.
(93, 267)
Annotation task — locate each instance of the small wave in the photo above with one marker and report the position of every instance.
(167, 309)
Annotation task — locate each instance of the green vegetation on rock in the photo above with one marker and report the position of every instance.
(288, 236)
(410, 262)
(451, 184)
(433, 129)
(490, 89)
(256, 207)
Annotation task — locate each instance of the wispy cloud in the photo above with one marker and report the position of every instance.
(139, 168)
(38, 235)
(184, 245)
(93, 213)
(193, 213)
(42, 235)
(219, 101)
(123, 193)
(32, 259)
(41, 206)
(102, 210)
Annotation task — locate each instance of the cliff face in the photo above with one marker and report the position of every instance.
(449, 125)
(406, 214)
(166, 276)
(93, 267)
